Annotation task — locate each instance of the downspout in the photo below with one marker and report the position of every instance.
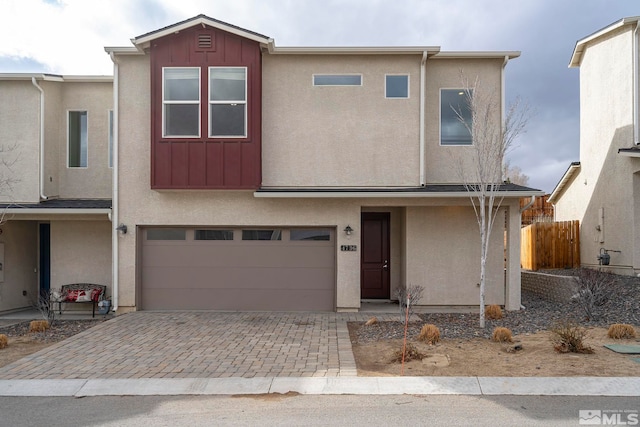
(528, 205)
(114, 184)
(503, 100)
(636, 85)
(35, 83)
(423, 65)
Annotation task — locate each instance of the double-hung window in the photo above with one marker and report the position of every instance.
(455, 117)
(227, 102)
(181, 102)
(77, 139)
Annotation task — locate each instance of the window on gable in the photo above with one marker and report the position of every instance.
(181, 102)
(396, 86)
(77, 139)
(228, 102)
(337, 79)
(110, 138)
(455, 117)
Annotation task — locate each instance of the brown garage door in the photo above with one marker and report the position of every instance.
(238, 269)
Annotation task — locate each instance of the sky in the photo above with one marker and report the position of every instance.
(68, 37)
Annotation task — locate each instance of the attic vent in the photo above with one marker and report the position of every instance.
(204, 41)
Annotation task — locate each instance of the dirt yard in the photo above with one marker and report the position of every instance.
(482, 357)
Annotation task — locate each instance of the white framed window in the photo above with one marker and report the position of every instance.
(337, 79)
(227, 102)
(110, 119)
(455, 117)
(77, 139)
(181, 102)
(396, 86)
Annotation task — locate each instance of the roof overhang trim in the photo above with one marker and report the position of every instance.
(581, 44)
(571, 172)
(56, 211)
(310, 194)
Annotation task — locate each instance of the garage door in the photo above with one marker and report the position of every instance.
(238, 269)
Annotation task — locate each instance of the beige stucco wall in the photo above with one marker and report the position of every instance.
(19, 135)
(605, 182)
(54, 136)
(19, 264)
(80, 253)
(443, 255)
(94, 181)
(339, 135)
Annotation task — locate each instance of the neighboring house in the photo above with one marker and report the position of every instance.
(602, 190)
(253, 177)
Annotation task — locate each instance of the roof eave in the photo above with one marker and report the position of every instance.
(573, 169)
(576, 57)
(511, 54)
(384, 194)
(354, 50)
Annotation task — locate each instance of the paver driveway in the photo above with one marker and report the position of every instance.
(200, 345)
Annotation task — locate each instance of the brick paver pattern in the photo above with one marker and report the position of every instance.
(200, 345)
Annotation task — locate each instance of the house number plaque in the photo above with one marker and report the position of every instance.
(348, 248)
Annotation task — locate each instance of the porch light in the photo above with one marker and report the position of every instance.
(348, 230)
(122, 228)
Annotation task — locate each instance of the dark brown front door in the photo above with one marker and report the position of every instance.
(374, 264)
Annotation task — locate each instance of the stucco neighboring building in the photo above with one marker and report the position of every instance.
(602, 190)
(239, 175)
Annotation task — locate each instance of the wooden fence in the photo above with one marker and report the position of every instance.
(550, 245)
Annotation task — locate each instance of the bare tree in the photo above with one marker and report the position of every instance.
(514, 174)
(8, 159)
(491, 137)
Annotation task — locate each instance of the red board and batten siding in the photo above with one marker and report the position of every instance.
(206, 163)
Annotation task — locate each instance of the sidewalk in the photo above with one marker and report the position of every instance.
(557, 386)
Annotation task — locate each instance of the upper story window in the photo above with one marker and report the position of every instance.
(337, 79)
(455, 117)
(396, 86)
(181, 102)
(227, 102)
(77, 139)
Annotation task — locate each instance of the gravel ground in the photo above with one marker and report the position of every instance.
(623, 306)
(60, 330)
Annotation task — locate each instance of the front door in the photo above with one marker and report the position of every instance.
(374, 262)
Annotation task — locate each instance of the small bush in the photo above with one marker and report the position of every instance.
(414, 294)
(4, 341)
(38, 325)
(569, 338)
(621, 330)
(430, 334)
(593, 291)
(411, 353)
(372, 321)
(493, 312)
(501, 334)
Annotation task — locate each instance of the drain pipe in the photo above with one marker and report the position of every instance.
(35, 83)
(423, 65)
(114, 191)
(636, 85)
(528, 205)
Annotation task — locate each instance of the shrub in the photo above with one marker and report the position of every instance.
(593, 289)
(493, 312)
(411, 353)
(372, 321)
(429, 333)
(414, 293)
(569, 337)
(38, 326)
(621, 330)
(4, 341)
(501, 334)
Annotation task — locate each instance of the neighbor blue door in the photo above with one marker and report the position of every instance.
(45, 259)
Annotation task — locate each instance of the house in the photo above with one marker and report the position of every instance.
(216, 170)
(602, 190)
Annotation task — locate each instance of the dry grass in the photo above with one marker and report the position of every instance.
(372, 321)
(411, 353)
(569, 338)
(493, 312)
(4, 341)
(501, 334)
(621, 331)
(430, 334)
(38, 325)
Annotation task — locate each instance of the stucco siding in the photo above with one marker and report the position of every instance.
(19, 135)
(20, 261)
(339, 135)
(80, 253)
(94, 181)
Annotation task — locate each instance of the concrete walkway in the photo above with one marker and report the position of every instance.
(174, 353)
